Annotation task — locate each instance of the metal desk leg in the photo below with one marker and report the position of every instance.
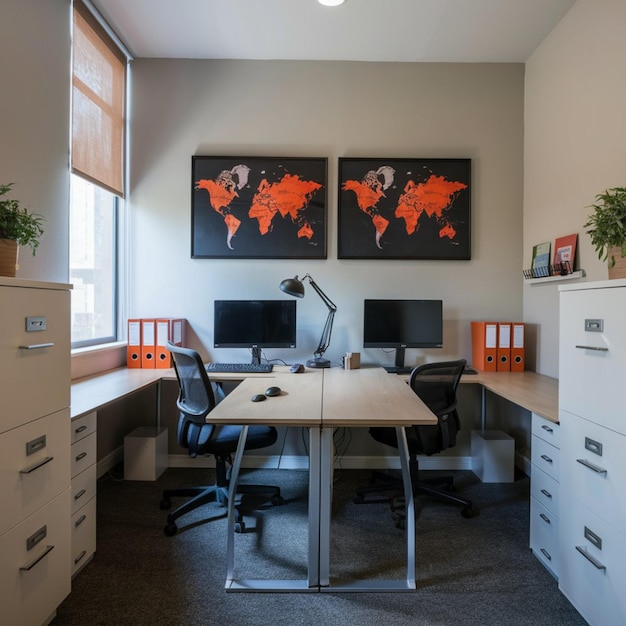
(403, 450)
(274, 585)
(325, 486)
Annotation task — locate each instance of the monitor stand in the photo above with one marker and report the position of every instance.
(398, 367)
(256, 356)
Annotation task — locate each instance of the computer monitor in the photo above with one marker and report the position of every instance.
(254, 324)
(402, 324)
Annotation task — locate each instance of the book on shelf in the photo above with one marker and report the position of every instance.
(541, 260)
(564, 254)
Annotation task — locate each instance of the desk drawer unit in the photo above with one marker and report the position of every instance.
(35, 569)
(84, 486)
(545, 492)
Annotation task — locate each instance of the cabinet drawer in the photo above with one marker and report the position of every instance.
(546, 430)
(83, 426)
(83, 488)
(544, 536)
(38, 377)
(592, 566)
(594, 468)
(591, 364)
(83, 454)
(34, 466)
(545, 490)
(545, 456)
(35, 581)
(83, 535)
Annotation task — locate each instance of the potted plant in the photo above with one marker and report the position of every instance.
(18, 227)
(607, 227)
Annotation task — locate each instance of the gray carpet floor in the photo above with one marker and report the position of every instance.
(469, 572)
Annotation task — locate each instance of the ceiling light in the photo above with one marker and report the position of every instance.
(331, 3)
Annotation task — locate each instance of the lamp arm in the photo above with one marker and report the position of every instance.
(326, 333)
(327, 301)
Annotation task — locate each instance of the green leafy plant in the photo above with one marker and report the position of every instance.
(17, 223)
(607, 223)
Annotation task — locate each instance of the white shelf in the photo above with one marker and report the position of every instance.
(552, 279)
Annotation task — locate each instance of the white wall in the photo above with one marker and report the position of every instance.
(575, 125)
(34, 124)
(327, 109)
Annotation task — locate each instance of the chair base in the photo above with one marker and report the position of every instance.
(214, 493)
(392, 485)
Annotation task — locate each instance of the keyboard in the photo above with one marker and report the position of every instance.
(240, 368)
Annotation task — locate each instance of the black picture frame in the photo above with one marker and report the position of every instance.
(258, 207)
(404, 208)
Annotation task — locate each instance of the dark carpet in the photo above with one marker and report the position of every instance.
(469, 572)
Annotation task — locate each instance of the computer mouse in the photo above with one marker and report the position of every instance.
(272, 391)
(296, 368)
(258, 397)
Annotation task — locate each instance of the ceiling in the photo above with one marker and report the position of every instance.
(473, 31)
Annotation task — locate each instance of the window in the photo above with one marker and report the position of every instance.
(97, 180)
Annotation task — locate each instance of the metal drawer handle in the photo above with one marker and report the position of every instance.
(32, 468)
(550, 430)
(81, 456)
(596, 348)
(547, 494)
(36, 346)
(80, 494)
(27, 568)
(80, 429)
(79, 521)
(79, 557)
(545, 518)
(546, 554)
(591, 466)
(590, 558)
(546, 458)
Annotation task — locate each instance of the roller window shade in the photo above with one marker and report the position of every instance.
(98, 104)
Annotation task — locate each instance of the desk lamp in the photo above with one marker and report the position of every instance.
(295, 287)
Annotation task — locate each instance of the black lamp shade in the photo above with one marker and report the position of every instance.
(293, 287)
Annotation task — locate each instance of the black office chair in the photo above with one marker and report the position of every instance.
(196, 399)
(436, 385)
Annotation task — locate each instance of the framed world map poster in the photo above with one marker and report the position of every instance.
(258, 207)
(404, 208)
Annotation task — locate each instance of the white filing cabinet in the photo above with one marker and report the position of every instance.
(34, 450)
(592, 369)
(544, 492)
(83, 461)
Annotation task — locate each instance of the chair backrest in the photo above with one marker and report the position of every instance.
(436, 385)
(195, 398)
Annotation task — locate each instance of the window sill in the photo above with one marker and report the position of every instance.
(96, 359)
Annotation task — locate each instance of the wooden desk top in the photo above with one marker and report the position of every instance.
(371, 397)
(535, 392)
(299, 404)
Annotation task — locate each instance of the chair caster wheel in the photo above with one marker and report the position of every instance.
(277, 500)
(467, 512)
(358, 499)
(166, 504)
(170, 529)
(240, 527)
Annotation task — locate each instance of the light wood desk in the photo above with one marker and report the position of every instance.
(323, 400)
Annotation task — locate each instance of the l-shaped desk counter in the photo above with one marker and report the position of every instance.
(322, 400)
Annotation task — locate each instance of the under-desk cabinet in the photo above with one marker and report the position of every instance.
(83, 459)
(592, 364)
(34, 450)
(544, 492)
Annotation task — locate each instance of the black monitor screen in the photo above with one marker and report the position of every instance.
(402, 324)
(254, 324)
